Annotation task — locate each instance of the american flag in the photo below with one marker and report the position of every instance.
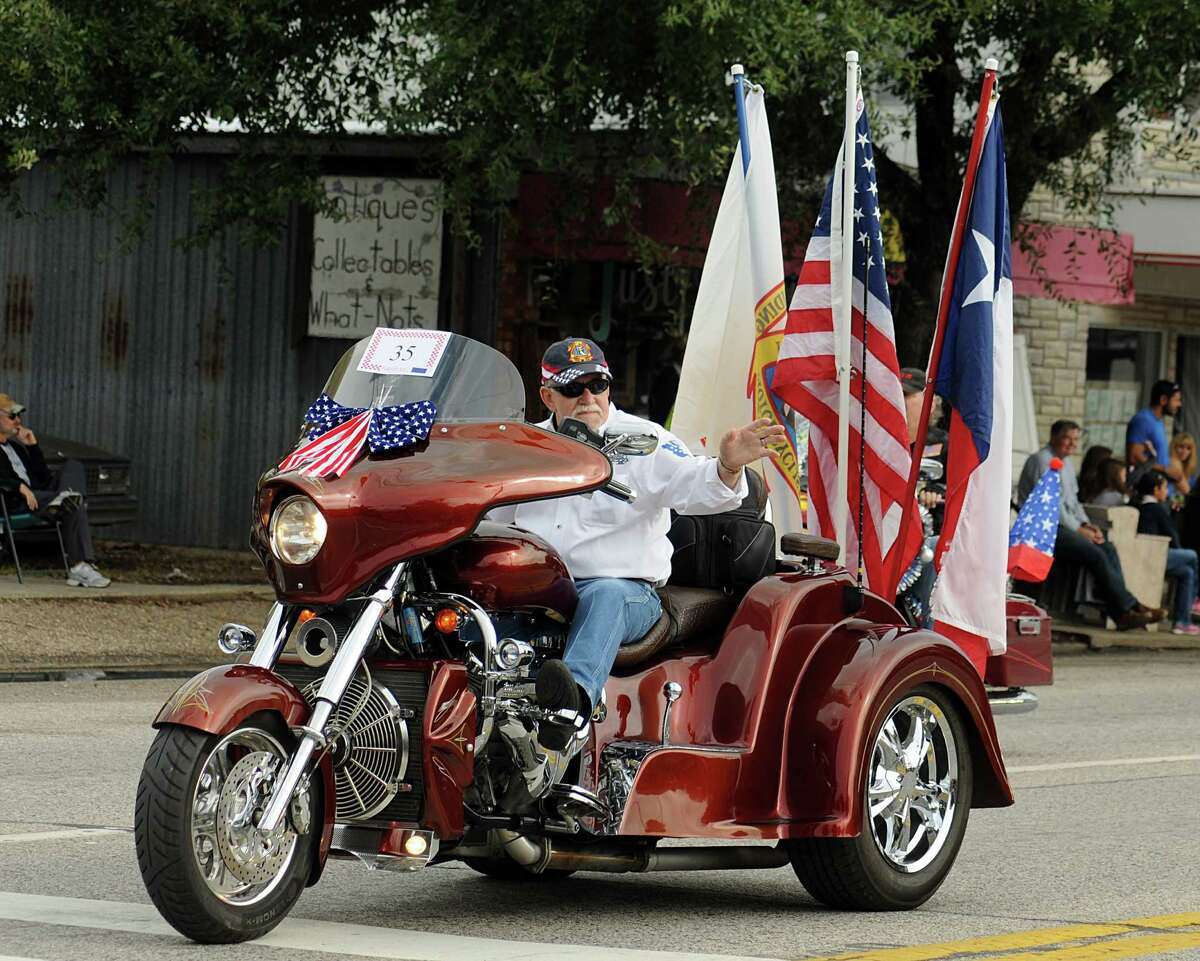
(336, 434)
(806, 375)
(1031, 540)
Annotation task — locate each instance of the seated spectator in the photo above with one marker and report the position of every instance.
(1183, 459)
(1146, 437)
(1107, 488)
(1079, 542)
(1089, 470)
(1154, 518)
(26, 483)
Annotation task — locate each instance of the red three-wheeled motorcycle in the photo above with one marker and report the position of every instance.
(386, 710)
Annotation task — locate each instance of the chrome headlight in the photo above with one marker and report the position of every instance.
(297, 530)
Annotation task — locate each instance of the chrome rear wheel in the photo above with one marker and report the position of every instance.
(912, 787)
(916, 794)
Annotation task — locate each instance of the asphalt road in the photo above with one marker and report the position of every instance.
(1104, 834)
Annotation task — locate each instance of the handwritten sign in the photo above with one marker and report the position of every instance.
(414, 352)
(377, 262)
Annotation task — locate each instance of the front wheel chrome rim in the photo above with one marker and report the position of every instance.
(239, 864)
(912, 788)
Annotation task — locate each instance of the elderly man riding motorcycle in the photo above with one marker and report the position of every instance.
(618, 552)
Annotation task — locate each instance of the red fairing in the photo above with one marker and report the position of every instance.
(769, 739)
(384, 510)
(503, 568)
(448, 730)
(219, 699)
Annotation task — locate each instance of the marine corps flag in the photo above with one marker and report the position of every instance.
(738, 320)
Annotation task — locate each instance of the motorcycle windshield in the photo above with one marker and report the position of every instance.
(467, 381)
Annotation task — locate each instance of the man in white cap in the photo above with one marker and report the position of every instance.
(618, 552)
(28, 484)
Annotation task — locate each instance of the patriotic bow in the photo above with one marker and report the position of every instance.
(336, 433)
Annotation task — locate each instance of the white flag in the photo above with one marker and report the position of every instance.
(737, 326)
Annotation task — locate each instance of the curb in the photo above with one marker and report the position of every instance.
(88, 674)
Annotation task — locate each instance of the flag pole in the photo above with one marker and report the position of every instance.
(739, 99)
(841, 505)
(935, 354)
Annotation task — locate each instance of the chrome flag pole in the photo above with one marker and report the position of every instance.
(842, 320)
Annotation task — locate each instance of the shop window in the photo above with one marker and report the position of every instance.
(1121, 366)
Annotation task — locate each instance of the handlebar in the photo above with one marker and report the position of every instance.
(620, 491)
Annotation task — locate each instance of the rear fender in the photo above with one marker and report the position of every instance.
(218, 700)
(839, 699)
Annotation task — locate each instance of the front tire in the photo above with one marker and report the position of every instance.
(916, 795)
(212, 875)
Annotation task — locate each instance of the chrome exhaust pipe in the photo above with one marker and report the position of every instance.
(540, 854)
(316, 642)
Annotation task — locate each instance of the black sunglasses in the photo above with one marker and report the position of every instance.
(576, 389)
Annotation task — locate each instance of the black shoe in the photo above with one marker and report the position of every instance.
(558, 693)
(1133, 619)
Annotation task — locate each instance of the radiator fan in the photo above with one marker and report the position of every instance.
(369, 748)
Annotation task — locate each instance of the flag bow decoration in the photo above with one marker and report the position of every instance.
(1031, 541)
(336, 434)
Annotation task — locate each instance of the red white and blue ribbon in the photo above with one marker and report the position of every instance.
(336, 434)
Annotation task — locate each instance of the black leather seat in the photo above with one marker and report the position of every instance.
(689, 613)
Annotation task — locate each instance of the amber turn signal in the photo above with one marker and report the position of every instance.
(446, 620)
(305, 616)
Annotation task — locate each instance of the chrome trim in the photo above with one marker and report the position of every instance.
(316, 642)
(234, 639)
(337, 679)
(274, 633)
(221, 791)
(488, 677)
(363, 844)
(672, 691)
(911, 795)
(1013, 700)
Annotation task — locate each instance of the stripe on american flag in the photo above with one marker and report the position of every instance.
(807, 375)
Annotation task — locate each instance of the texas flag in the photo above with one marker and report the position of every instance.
(975, 378)
(1031, 540)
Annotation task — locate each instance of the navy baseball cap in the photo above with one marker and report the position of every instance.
(912, 380)
(568, 359)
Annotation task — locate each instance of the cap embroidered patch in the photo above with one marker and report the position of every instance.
(579, 351)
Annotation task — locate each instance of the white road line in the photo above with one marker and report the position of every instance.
(13, 957)
(1111, 762)
(330, 936)
(58, 835)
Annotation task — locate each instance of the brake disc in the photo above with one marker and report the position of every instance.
(251, 855)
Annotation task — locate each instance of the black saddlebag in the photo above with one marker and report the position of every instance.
(728, 551)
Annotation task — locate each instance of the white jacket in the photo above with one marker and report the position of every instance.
(600, 536)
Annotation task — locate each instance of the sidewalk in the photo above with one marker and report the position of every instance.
(50, 629)
(39, 586)
(1100, 638)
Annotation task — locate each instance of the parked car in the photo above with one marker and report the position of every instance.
(109, 499)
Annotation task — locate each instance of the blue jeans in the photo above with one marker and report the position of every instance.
(1181, 565)
(612, 611)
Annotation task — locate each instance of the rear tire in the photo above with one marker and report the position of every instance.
(916, 795)
(183, 789)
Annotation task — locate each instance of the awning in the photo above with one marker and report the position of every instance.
(1079, 264)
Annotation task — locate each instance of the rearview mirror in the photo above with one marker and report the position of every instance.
(636, 445)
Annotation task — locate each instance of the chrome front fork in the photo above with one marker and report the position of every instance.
(333, 686)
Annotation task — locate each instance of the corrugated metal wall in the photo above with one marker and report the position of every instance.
(184, 360)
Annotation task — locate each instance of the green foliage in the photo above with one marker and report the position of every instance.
(624, 89)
